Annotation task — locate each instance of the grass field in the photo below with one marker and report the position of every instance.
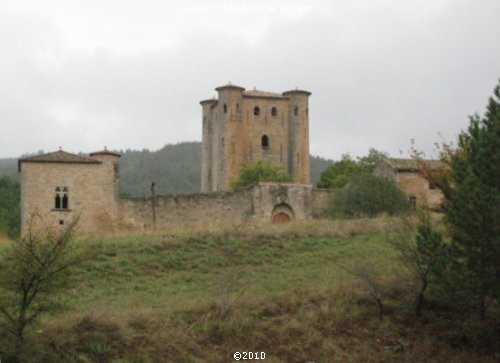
(201, 296)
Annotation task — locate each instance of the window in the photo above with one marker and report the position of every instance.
(274, 111)
(61, 200)
(256, 110)
(295, 110)
(413, 202)
(432, 185)
(237, 107)
(265, 142)
(225, 108)
(65, 201)
(222, 142)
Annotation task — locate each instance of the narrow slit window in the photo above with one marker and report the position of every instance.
(225, 108)
(265, 142)
(296, 111)
(274, 112)
(58, 202)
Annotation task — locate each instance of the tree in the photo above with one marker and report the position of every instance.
(368, 195)
(260, 171)
(422, 252)
(32, 271)
(369, 162)
(338, 175)
(9, 207)
(470, 184)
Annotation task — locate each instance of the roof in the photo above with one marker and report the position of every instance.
(263, 94)
(105, 152)
(207, 101)
(412, 164)
(297, 91)
(229, 86)
(58, 157)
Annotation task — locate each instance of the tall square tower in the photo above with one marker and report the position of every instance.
(240, 127)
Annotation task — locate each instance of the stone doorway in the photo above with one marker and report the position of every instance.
(282, 213)
(281, 218)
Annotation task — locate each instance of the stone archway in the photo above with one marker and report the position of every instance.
(282, 213)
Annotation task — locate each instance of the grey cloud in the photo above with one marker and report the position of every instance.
(379, 78)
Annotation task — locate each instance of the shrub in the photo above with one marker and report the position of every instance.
(260, 171)
(368, 195)
(339, 174)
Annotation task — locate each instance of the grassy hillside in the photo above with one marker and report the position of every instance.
(201, 296)
(174, 169)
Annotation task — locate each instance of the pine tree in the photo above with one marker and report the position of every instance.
(472, 206)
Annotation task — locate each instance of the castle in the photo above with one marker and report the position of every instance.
(239, 127)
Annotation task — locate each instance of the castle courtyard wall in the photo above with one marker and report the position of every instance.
(255, 204)
(187, 210)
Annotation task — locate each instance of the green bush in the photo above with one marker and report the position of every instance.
(368, 195)
(260, 171)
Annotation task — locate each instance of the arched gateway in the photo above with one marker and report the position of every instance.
(282, 213)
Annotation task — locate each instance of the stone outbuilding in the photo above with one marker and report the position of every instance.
(407, 175)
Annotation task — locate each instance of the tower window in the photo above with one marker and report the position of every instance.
(225, 108)
(58, 202)
(256, 110)
(265, 142)
(274, 111)
(222, 142)
(295, 110)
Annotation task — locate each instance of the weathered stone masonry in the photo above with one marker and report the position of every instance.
(91, 184)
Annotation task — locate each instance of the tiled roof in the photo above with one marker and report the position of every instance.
(229, 85)
(257, 93)
(58, 157)
(411, 164)
(105, 152)
(297, 91)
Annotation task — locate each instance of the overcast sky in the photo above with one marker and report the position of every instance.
(130, 73)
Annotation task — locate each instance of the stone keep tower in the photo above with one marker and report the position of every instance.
(240, 127)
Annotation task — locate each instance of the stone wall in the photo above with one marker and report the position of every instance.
(255, 204)
(322, 199)
(188, 210)
(93, 198)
